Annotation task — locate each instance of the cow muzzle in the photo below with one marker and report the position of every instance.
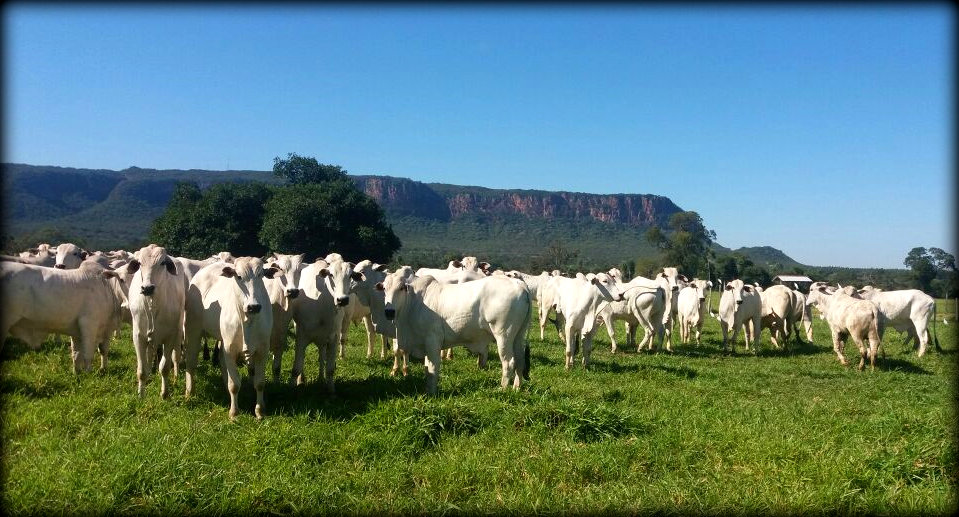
(390, 314)
(342, 301)
(253, 308)
(147, 290)
(739, 302)
(702, 298)
(60, 266)
(292, 293)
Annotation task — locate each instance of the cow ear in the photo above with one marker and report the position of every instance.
(747, 288)
(133, 266)
(357, 276)
(663, 275)
(379, 286)
(457, 263)
(272, 270)
(170, 266)
(683, 278)
(111, 274)
(379, 267)
(228, 272)
(595, 281)
(729, 287)
(709, 283)
(83, 254)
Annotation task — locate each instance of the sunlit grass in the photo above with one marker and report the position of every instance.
(693, 431)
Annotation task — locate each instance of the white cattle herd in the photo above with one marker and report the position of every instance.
(247, 305)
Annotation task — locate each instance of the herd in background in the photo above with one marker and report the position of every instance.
(247, 305)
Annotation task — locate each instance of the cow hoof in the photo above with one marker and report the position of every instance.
(259, 413)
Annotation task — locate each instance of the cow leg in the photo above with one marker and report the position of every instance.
(330, 367)
(144, 360)
(668, 328)
(165, 366)
(520, 359)
(386, 346)
(587, 347)
(259, 381)
(611, 331)
(192, 339)
(921, 332)
(482, 357)
(432, 362)
(631, 333)
(570, 338)
(296, 375)
(506, 359)
(343, 337)
(228, 366)
(370, 335)
(837, 346)
(104, 348)
(206, 350)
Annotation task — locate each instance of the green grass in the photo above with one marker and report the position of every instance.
(690, 432)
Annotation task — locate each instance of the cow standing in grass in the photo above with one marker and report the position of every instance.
(229, 302)
(849, 316)
(157, 292)
(431, 316)
(740, 306)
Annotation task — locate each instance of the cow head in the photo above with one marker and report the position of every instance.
(673, 278)
(396, 289)
(338, 275)
(248, 273)
(739, 290)
(290, 267)
(701, 286)
(608, 287)
(148, 264)
(69, 256)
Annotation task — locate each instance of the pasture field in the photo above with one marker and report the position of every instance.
(694, 431)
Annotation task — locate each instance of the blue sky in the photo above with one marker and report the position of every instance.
(823, 131)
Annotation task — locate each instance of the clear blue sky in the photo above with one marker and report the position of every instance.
(823, 131)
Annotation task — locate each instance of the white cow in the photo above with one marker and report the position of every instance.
(431, 316)
(283, 290)
(740, 306)
(848, 316)
(157, 294)
(691, 308)
(579, 303)
(318, 315)
(908, 310)
(83, 303)
(674, 282)
(635, 309)
(533, 283)
(226, 301)
(778, 314)
(69, 256)
(369, 294)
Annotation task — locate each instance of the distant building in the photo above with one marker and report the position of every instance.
(793, 281)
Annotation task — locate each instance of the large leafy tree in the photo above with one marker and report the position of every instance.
(225, 217)
(923, 267)
(686, 244)
(322, 211)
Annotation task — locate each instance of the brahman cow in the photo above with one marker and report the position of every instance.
(579, 303)
(691, 308)
(908, 310)
(157, 293)
(227, 302)
(740, 306)
(848, 316)
(430, 316)
(283, 290)
(83, 303)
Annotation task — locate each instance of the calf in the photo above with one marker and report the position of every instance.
(431, 316)
(226, 301)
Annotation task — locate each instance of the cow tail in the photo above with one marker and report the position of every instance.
(529, 316)
(935, 335)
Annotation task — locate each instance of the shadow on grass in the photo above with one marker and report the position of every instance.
(615, 367)
(31, 390)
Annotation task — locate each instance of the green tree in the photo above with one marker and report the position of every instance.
(226, 217)
(686, 245)
(300, 170)
(923, 267)
(320, 218)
